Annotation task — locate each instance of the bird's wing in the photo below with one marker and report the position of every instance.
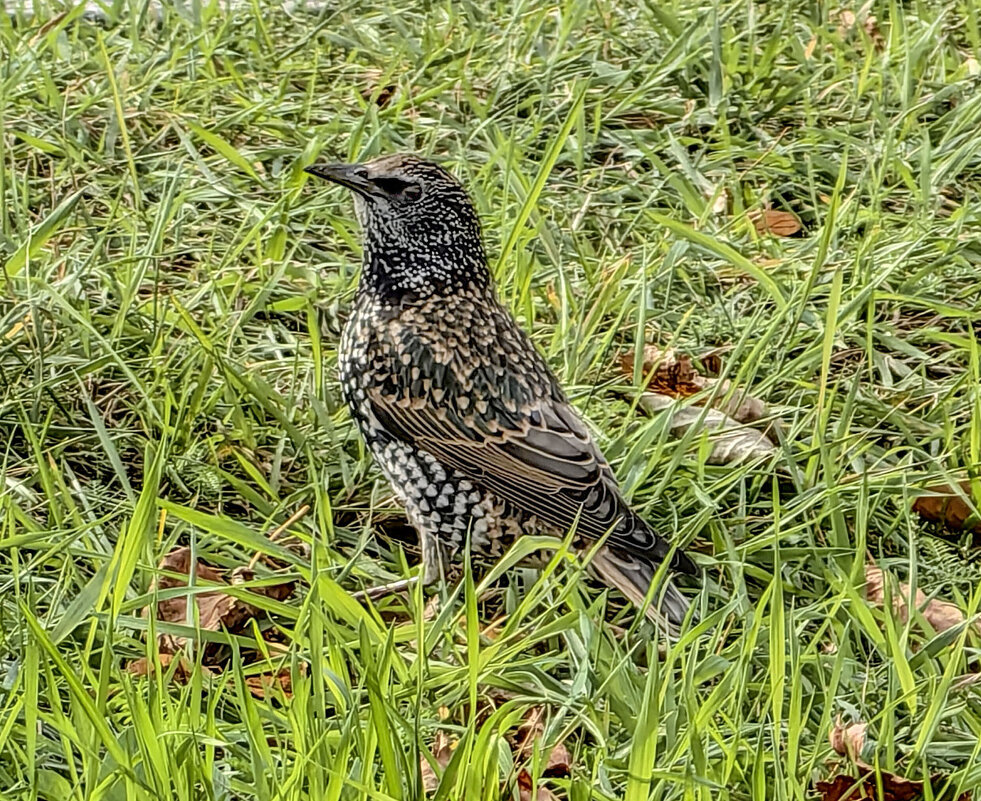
(536, 454)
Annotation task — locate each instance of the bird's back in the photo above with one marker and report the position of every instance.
(461, 355)
(457, 377)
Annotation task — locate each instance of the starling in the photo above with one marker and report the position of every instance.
(463, 415)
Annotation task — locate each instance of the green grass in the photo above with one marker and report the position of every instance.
(172, 293)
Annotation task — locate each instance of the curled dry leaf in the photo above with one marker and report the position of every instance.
(216, 609)
(558, 761)
(871, 26)
(941, 615)
(866, 787)
(265, 685)
(948, 506)
(848, 740)
(372, 89)
(669, 373)
(526, 789)
(674, 375)
(776, 223)
(442, 753)
(848, 22)
(731, 442)
(182, 671)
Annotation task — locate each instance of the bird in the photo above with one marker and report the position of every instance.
(459, 409)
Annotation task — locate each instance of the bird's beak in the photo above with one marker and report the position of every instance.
(353, 176)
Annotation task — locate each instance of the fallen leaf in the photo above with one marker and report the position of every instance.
(526, 787)
(442, 753)
(216, 609)
(675, 375)
(848, 740)
(847, 788)
(941, 615)
(558, 761)
(866, 787)
(846, 21)
(182, 672)
(945, 505)
(871, 26)
(665, 372)
(278, 592)
(382, 94)
(265, 685)
(732, 442)
(777, 223)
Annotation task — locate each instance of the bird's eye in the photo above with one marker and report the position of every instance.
(396, 186)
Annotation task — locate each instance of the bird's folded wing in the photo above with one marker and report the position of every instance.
(541, 459)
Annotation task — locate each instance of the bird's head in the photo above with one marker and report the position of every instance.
(420, 230)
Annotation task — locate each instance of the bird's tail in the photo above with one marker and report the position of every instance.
(632, 575)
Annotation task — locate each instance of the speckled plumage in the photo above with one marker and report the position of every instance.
(461, 412)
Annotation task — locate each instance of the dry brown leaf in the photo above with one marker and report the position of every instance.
(846, 20)
(670, 374)
(944, 505)
(847, 788)
(871, 26)
(848, 23)
(777, 223)
(182, 672)
(558, 761)
(265, 685)
(442, 753)
(277, 592)
(371, 89)
(866, 787)
(848, 740)
(216, 609)
(941, 615)
(675, 375)
(731, 441)
(526, 787)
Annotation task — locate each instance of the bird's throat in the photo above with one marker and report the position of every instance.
(423, 273)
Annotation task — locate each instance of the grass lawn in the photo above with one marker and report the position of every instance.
(173, 287)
